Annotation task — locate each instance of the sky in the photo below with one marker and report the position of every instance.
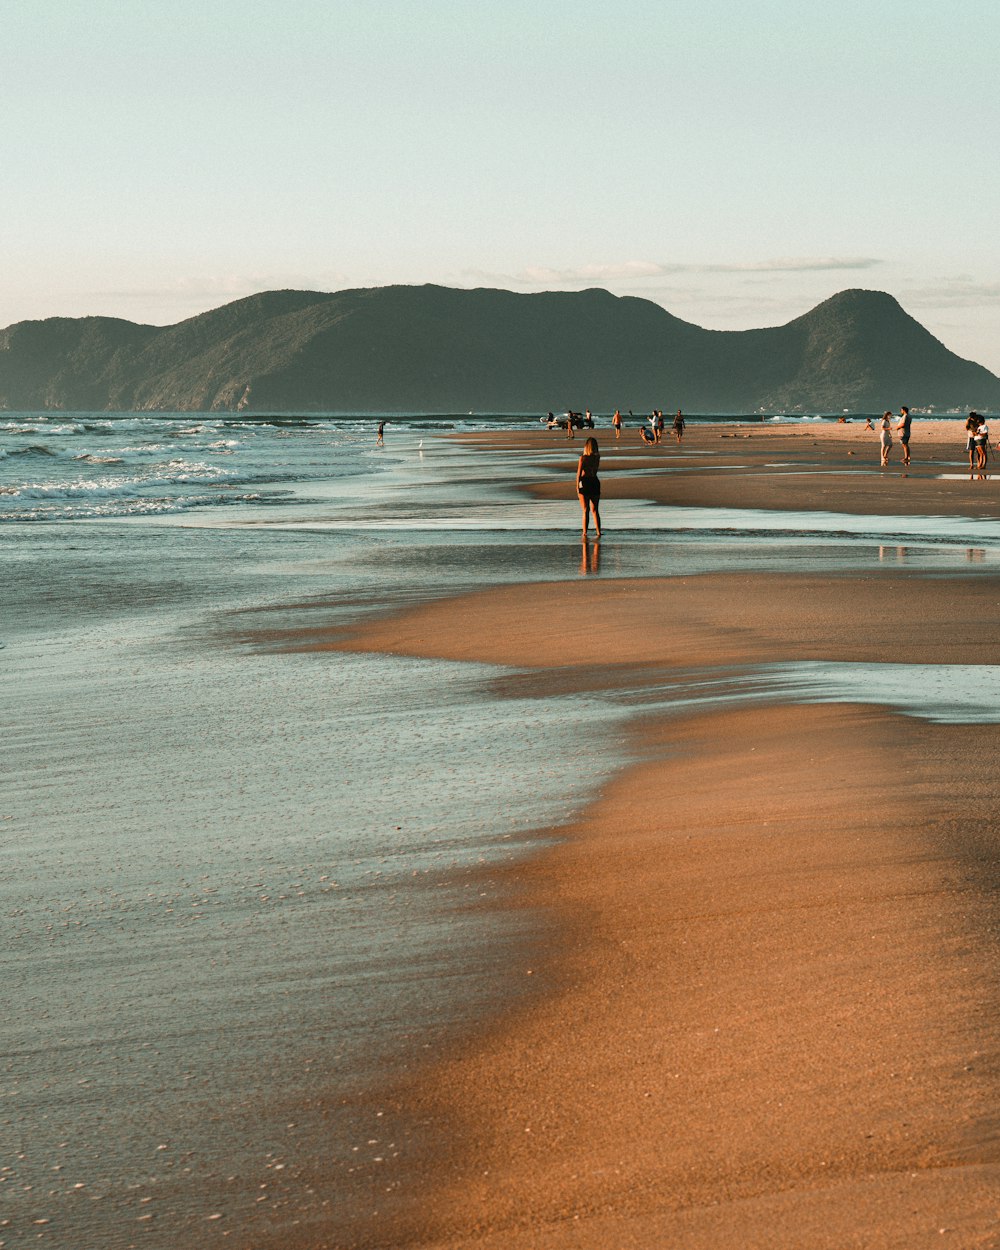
(736, 163)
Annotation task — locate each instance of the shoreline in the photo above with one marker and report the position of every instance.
(749, 1048)
(767, 1014)
(823, 467)
(758, 1014)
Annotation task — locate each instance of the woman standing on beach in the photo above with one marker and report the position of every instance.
(588, 484)
(885, 436)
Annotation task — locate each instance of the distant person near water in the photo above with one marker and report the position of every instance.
(588, 484)
(379, 435)
(903, 430)
(616, 421)
(679, 426)
(885, 437)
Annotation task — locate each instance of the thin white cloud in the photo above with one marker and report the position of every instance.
(222, 287)
(799, 264)
(643, 270)
(954, 293)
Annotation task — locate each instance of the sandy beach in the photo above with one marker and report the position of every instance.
(806, 465)
(764, 1011)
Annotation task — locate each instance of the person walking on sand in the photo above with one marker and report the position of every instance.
(616, 421)
(379, 435)
(679, 427)
(903, 430)
(588, 484)
(885, 436)
(659, 425)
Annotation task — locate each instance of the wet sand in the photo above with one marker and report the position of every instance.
(768, 1017)
(774, 1016)
(813, 467)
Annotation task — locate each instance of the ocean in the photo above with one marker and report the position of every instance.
(236, 883)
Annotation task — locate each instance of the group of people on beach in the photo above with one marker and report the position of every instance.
(977, 441)
(569, 422)
(588, 483)
(572, 421)
(656, 426)
(885, 428)
(977, 437)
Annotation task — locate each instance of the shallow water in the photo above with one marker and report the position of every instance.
(946, 694)
(235, 883)
(210, 903)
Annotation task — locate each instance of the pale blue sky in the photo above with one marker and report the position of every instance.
(736, 163)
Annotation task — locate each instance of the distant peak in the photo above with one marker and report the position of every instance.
(858, 297)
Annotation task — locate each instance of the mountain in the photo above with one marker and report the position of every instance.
(437, 349)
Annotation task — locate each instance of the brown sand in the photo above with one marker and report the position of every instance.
(776, 1022)
(776, 1025)
(715, 619)
(826, 467)
(770, 1018)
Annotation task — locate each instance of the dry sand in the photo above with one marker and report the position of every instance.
(769, 1017)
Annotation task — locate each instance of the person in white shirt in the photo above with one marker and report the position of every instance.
(982, 439)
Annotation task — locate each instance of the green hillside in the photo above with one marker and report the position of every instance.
(431, 348)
